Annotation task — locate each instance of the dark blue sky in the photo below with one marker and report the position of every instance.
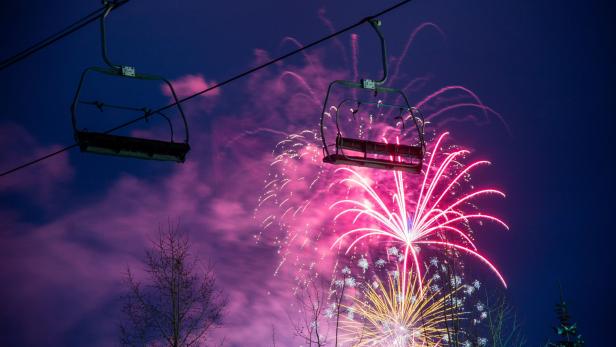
(545, 66)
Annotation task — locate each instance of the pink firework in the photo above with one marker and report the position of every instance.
(436, 221)
(290, 209)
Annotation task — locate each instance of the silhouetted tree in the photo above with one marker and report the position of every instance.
(177, 305)
(319, 308)
(312, 301)
(504, 328)
(566, 330)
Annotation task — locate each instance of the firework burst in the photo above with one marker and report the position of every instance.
(298, 184)
(435, 220)
(399, 315)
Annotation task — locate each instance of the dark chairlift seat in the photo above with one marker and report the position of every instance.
(127, 146)
(133, 147)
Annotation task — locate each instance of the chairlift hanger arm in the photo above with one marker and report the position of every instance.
(125, 70)
(109, 5)
(376, 25)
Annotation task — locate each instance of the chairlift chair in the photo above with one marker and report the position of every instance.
(374, 154)
(127, 146)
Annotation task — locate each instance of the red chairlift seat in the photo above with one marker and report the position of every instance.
(396, 156)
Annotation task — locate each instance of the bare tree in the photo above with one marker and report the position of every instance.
(320, 307)
(338, 296)
(504, 328)
(273, 336)
(178, 305)
(312, 302)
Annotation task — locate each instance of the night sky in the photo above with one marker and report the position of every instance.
(70, 226)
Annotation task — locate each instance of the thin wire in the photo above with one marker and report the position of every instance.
(218, 85)
(91, 17)
(52, 154)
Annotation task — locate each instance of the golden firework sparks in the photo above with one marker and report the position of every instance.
(399, 316)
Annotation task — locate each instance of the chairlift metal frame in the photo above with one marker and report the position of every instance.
(127, 146)
(397, 153)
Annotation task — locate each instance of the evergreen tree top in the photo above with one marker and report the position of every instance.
(566, 330)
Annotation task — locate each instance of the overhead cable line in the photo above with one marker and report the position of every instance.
(218, 85)
(89, 18)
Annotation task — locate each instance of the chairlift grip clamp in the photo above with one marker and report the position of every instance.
(128, 71)
(368, 84)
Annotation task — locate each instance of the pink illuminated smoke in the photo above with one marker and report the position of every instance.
(293, 208)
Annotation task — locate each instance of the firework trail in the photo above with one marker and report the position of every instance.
(436, 220)
(399, 315)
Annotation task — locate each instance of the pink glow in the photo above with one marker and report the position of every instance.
(190, 84)
(213, 195)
